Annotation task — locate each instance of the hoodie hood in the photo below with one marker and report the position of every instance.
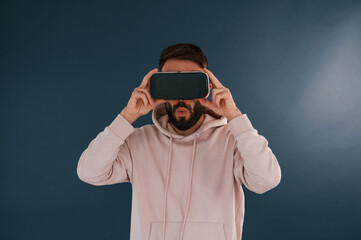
(160, 120)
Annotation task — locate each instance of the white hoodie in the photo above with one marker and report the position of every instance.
(184, 187)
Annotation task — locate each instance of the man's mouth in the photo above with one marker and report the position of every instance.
(182, 111)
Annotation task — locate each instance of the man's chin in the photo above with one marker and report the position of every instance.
(181, 117)
(181, 120)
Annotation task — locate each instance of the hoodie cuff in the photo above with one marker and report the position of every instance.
(121, 127)
(240, 124)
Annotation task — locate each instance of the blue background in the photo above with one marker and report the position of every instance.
(67, 68)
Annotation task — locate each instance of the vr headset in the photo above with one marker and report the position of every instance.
(179, 85)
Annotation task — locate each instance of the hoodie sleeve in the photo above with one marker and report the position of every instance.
(255, 165)
(107, 159)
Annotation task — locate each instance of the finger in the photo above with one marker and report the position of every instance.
(146, 78)
(214, 93)
(220, 96)
(143, 96)
(217, 90)
(149, 96)
(214, 80)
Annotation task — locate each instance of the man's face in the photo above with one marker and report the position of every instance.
(183, 114)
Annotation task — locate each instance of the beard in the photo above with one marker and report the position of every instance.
(183, 124)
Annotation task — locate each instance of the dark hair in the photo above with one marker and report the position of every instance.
(183, 51)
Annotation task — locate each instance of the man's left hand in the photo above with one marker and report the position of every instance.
(222, 101)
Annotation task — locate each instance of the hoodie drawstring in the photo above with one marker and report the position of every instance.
(166, 186)
(189, 187)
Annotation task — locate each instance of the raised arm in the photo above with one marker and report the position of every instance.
(255, 165)
(107, 159)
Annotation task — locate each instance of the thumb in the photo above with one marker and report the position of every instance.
(207, 103)
(157, 101)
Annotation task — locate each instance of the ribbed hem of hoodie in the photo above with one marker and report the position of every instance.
(121, 127)
(240, 124)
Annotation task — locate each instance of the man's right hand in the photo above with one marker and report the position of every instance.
(141, 102)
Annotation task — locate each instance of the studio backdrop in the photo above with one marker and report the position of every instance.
(68, 68)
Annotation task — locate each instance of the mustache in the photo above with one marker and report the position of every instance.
(181, 104)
